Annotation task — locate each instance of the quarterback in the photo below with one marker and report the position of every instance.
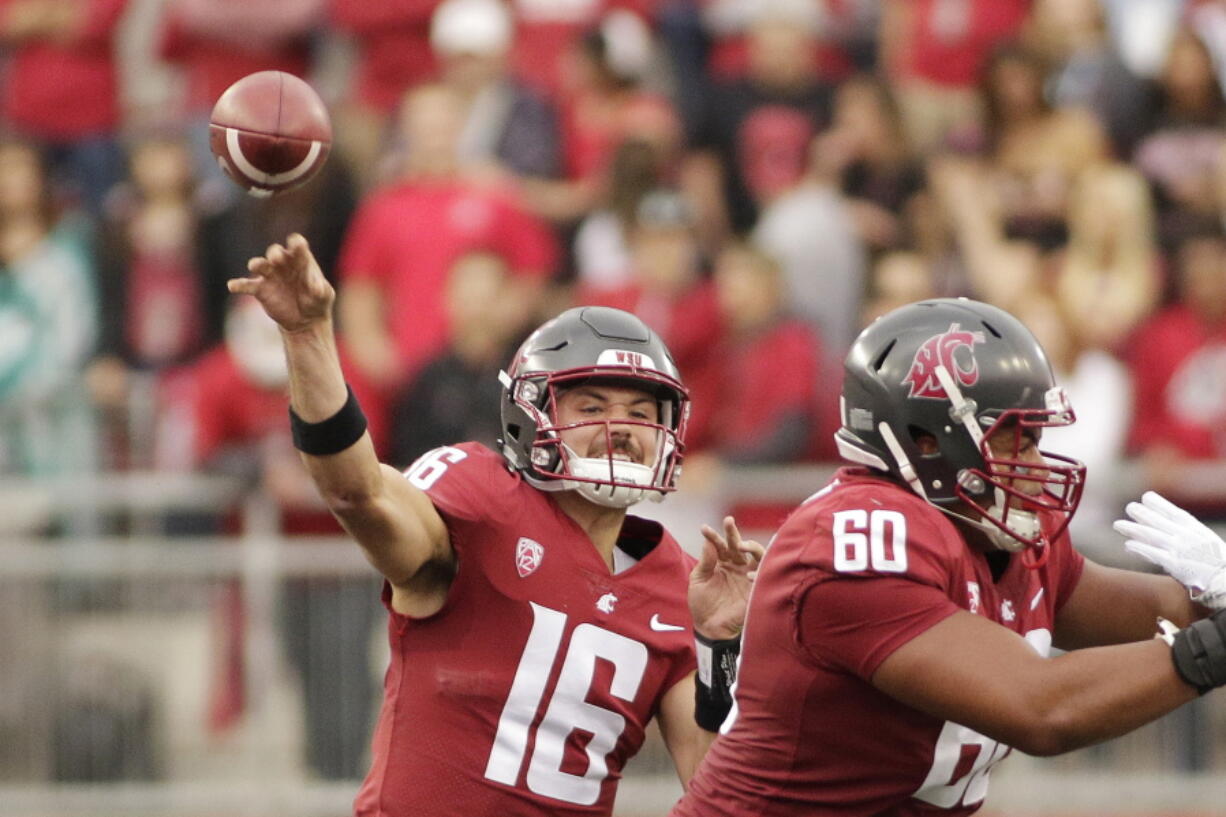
(535, 627)
(899, 634)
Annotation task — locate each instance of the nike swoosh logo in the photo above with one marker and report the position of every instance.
(661, 627)
(1034, 602)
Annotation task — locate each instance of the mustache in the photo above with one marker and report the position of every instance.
(618, 445)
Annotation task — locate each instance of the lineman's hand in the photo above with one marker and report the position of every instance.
(720, 582)
(289, 284)
(1180, 544)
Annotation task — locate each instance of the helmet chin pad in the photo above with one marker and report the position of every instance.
(609, 482)
(1012, 524)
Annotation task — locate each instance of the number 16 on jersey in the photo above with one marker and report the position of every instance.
(568, 707)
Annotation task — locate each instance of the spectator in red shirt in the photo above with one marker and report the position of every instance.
(1178, 361)
(61, 88)
(768, 364)
(405, 238)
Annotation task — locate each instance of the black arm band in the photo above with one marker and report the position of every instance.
(1199, 652)
(716, 675)
(330, 436)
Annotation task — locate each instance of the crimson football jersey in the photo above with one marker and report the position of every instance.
(531, 688)
(858, 570)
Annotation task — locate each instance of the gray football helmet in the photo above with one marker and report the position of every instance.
(958, 371)
(585, 344)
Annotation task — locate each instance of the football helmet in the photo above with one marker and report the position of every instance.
(581, 345)
(959, 371)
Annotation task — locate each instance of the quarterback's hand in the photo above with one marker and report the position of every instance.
(720, 582)
(289, 284)
(1180, 544)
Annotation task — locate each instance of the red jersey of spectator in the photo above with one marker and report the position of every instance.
(689, 325)
(809, 734)
(949, 41)
(65, 90)
(1179, 370)
(393, 39)
(230, 409)
(534, 684)
(769, 381)
(200, 36)
(406, 238)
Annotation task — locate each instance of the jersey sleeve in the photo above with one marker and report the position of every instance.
(857, 624)
(1066, 569)
(882, 578)
(467, 482)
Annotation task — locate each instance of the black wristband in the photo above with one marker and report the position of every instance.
(714, 680)
(1199, 652)
(330, 436)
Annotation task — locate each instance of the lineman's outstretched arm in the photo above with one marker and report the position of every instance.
(974, 672)
(394, 522)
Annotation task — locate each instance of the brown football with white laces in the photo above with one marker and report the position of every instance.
(270, 132)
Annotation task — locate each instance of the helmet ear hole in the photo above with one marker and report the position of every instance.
(924, 440)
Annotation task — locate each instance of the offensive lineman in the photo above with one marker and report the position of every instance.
(897, 641)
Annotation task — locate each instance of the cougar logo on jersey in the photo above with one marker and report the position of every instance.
(605, 603)
(955, 350)
(528, 556)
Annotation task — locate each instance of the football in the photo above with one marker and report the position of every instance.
(270, 132)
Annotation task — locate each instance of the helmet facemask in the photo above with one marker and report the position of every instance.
(606, 479)
(1055, 486)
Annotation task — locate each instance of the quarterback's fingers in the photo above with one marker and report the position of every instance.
(711, 548)
(733, 536)
(278, 256)
(753, 550)
(243, 286)
(723, 552)
(297, 250)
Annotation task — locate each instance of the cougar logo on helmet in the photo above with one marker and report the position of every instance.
(943, 350)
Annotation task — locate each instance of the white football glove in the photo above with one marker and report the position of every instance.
(1180, 544)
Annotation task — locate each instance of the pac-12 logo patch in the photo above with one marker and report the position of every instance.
(955, 350)
(528, 556)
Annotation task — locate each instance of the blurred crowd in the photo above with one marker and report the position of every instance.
(757, 179)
